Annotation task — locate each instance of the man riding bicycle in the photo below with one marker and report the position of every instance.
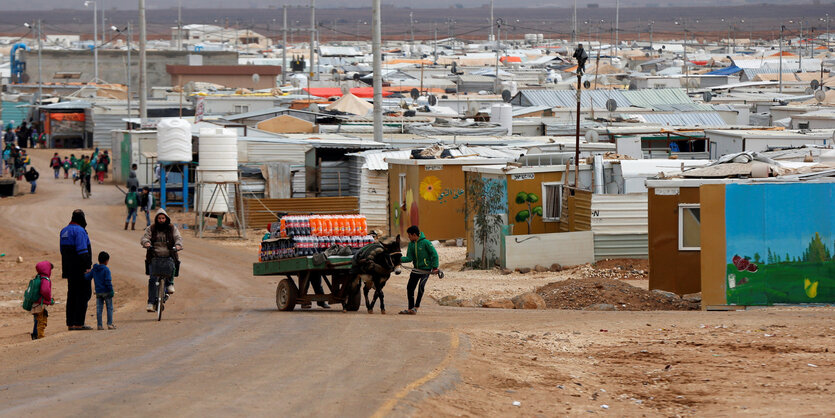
(162, 240)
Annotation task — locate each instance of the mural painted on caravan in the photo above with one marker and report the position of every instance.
(785, 256)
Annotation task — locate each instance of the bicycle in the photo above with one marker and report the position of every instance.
(85, 193)
(164, 269)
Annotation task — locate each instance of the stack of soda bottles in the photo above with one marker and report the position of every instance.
(276, 249)
(317, 233)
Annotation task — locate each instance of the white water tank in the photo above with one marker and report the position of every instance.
(174, 140)
(218, 153)
(502, 114)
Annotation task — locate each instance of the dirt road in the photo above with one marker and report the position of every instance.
(222, 349)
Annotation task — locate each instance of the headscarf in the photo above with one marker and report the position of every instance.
(78, 218)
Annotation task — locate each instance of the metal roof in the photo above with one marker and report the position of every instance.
(256, 113)
(74, 104)
(657, 99)
(681, 118)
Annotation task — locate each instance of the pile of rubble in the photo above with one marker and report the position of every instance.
(603, 294)
(618, 269)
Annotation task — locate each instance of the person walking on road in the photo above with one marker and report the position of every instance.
(131, 203)
(147, 204)
(76, 260)
(32, 177)
(44, 299)
(55, 163)
(162, 240)
(85, 171)
(66, 164)
(425, 258)
(133, 181)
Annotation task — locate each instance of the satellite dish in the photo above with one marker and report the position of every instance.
(414, 93)
(432, 100)
(345, 90)
(313, 108)
(592, 136)
(188, 89)
(707, 97)
(820, 96)
(356, 77)
(587, 84)
(256, 78)
(506, 96)
(611, 105)
(809, 91)
(815, 84)
(653, 72)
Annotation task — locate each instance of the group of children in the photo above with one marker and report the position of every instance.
(74, 167)
(38, 295)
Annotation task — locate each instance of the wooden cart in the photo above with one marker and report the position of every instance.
(335, 273)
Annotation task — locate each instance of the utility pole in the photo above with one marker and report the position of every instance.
(376, 41)
(95, 39)
(103, 30)
(577, 132)
(435, 45)
(130, 67)
(574, 25)
(180, 25)
(412, 27)
(800, 49)
(284, 49)
(651, 47)
(498, 23)
(492, 34)
(782, 28)
(617, 27)
(686, 66)
(143, 68)
(313, 40)
(40, 80)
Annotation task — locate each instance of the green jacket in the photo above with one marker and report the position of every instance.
(85, 168)
(422, 253)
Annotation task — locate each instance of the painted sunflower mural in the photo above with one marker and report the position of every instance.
(430, 188)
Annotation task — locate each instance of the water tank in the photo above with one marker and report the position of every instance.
(218, 152)
(174, 140)
(502, 114)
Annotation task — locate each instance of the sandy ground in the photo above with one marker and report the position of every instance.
(223, 348)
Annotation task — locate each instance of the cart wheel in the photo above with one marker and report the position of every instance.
(354, 300)
(285, 295)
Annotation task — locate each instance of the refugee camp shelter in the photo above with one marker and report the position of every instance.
(429, 193)
(758, 253)
(723, 141)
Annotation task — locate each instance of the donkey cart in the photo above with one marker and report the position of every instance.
(302, 272)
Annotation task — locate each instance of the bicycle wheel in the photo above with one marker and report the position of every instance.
(160, 298)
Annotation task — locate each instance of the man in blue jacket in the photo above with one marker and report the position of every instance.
(76, 260)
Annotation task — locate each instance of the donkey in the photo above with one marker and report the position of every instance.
(373, 264)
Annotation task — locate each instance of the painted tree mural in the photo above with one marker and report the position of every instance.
(526, 215)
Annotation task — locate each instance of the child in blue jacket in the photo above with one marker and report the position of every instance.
(100, 274)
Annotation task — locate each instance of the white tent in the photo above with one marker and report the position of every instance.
(351, 104)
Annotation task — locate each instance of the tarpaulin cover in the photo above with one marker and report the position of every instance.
(364, 92)
(733, 69)
(79, 117)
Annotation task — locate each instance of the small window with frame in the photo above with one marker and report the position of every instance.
(402, 190)
(689, 227)
(551, 202)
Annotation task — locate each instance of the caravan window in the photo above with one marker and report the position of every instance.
(689, 224)
(402, 189)
(551, 202)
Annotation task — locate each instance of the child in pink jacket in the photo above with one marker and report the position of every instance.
(44, 269)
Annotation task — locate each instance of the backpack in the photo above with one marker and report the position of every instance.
(32, 293)
(131, 200)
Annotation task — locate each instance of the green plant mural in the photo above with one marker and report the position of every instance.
(526, 215)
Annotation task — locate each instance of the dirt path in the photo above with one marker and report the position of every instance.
(222, 349)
